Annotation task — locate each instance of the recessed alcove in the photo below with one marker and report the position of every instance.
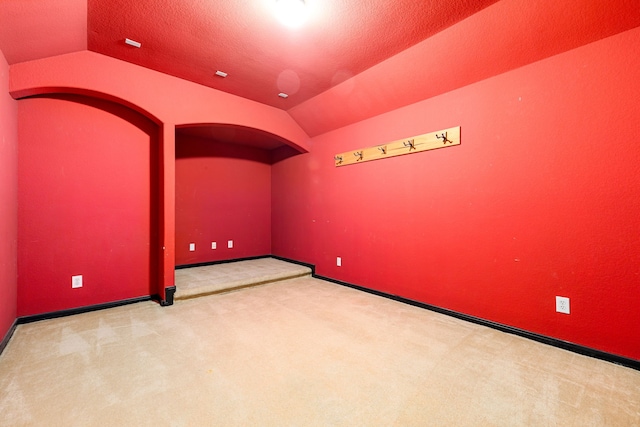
(223, 191)
(88, 202)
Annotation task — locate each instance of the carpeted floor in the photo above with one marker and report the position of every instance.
(299, 352)
(210, 279)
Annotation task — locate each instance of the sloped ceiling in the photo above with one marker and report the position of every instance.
(351, 60)
(192, 39)
(32, 29)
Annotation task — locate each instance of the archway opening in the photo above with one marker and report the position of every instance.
(223, 191)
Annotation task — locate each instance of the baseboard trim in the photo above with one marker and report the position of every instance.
(565, 345)
(8, 335)
(79, 310)
(169, 293)
(222, 261)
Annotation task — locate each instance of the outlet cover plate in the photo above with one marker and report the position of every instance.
(562, 305)
(76, 281)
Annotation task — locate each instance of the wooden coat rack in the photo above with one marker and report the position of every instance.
(416, 144)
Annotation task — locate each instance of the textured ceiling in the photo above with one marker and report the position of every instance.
(32, 29)
(192, 39)
(351, 60)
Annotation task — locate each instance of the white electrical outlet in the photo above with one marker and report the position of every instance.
(192, 247)
(230, 244)
(213, 245)
(562, 305)
(339, 262)
(76, 281)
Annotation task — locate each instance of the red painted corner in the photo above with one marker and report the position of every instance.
(8, 202)
(223, 193)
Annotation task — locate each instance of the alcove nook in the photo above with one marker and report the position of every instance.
(223, 191)
(88, 202)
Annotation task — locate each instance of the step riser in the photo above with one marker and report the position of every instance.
(234, 287)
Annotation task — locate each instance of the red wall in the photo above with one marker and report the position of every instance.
(8, 201)
(223, 192)
(87, 204)
(112, 79)
(541, 199)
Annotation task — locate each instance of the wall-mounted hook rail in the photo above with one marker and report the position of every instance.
(443, 136)
(416, 144)
(410, 143)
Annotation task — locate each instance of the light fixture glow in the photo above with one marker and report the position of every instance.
(283, 95)
(292, 13)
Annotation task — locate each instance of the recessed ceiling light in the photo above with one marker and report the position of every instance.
(283, 95)
(221, 73)
(132, 43)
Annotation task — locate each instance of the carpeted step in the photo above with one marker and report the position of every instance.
(211, 279)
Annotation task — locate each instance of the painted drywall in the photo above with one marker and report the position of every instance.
(88, 203)
(8, 201)
(540, 199)
(178, 103)
(223, 192)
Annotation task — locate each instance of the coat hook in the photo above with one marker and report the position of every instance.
(358, 154)
(443, 136)
(410, 143)
(337, 159)
(383, 149)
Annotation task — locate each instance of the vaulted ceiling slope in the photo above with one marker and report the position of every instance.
(350, 60)
(192, 39)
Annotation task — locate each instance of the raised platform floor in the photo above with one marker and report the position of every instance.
(194, 282)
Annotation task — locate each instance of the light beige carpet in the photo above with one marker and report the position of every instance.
(301, 352)
(198, 281)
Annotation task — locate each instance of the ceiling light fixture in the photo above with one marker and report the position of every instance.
(292, 13)
(283, 95)
(132, 43)
(221, 74)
